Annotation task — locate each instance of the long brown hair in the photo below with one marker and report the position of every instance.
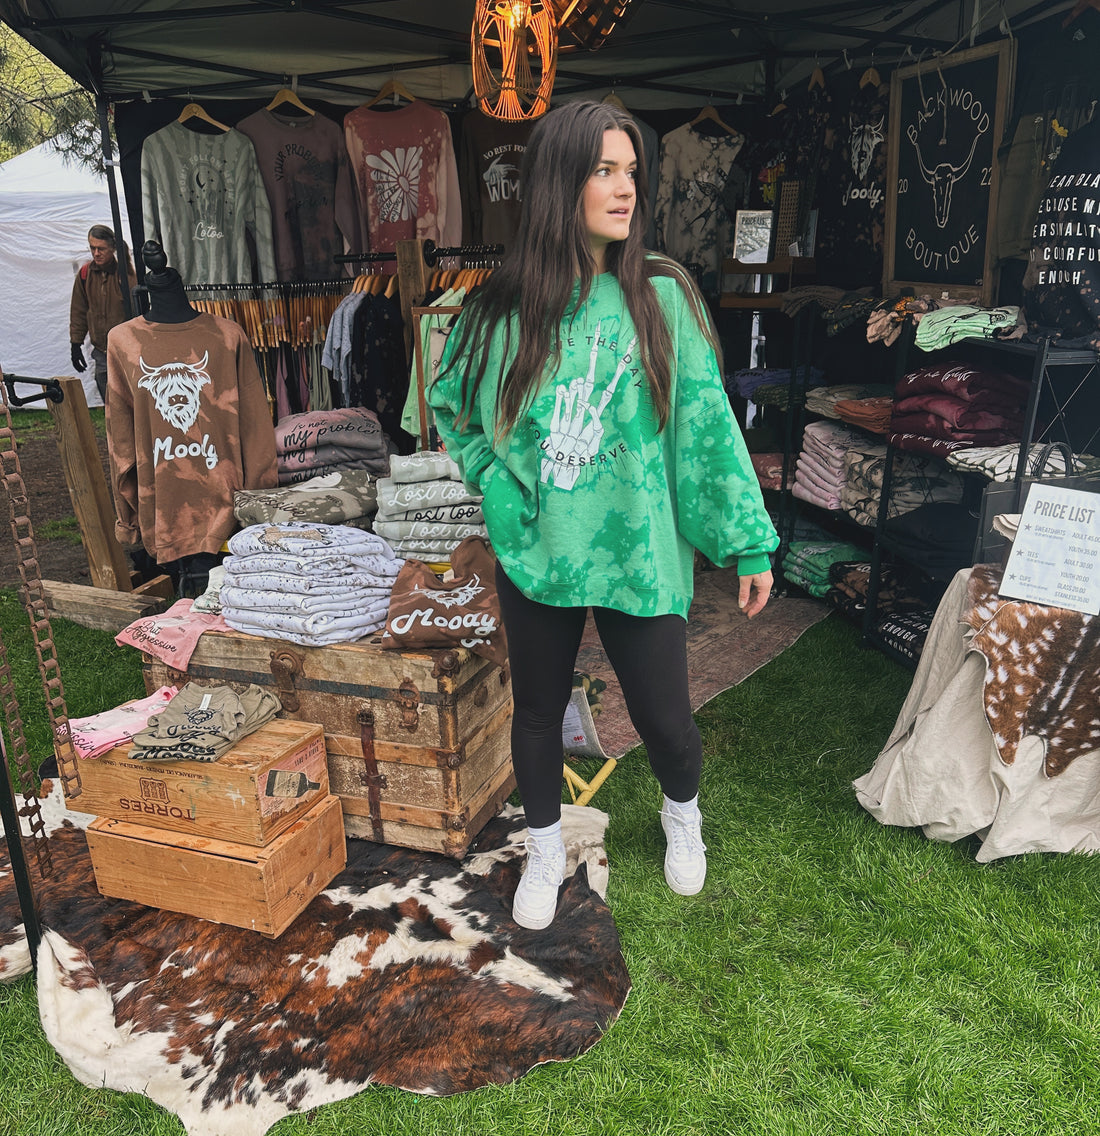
(550, 251)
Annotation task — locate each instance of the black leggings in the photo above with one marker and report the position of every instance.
(649, 655)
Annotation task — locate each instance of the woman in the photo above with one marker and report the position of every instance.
(581, 394)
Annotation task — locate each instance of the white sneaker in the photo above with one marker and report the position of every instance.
(685, 856)
(536, 898)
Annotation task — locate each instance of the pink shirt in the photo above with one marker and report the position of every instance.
(405, 171)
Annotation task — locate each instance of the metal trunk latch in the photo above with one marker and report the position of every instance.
(286, 666)
(408, 698)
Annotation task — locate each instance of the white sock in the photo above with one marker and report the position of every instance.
(686, 809)
(551, 834)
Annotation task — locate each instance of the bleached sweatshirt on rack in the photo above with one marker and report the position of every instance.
(188, 425)
(586, 503)
(201, 196)
(404, 166)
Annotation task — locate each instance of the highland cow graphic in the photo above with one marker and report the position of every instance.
(175, 389)
(865, 137)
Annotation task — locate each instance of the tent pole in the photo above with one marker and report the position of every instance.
(112, 190)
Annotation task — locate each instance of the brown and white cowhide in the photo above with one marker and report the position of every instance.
(407, 972)
(1042, 673)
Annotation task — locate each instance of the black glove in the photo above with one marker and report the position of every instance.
(77, 357)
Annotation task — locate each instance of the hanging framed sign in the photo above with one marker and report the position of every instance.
(947, 117)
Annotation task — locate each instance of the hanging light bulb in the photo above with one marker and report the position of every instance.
(514, 55)
(515, 12)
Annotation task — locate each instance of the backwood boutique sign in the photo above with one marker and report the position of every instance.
(947, 117)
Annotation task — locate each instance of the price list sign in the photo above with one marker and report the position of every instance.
(1055, 558)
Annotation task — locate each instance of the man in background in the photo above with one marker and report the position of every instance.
(97, 304)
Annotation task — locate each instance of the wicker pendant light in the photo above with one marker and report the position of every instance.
(514, 52)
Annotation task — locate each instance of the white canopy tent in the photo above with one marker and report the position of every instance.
(47, 206)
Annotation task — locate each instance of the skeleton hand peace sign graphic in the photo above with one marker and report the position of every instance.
(576, 428)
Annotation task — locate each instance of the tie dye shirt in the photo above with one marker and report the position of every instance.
(188, 425)
(586, 502)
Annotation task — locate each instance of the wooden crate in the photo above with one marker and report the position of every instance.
(263, 889)
(255, 791)
(418, 742)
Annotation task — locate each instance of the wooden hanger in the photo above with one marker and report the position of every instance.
(709, 113)
(817, 79)
(871, 75)
(1078, 8)
(286, 95)
(614, 100)
(193, 110)
(392, 87)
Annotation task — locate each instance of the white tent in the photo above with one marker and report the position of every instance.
(47, 206)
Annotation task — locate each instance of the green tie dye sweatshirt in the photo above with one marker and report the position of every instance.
(586, 502)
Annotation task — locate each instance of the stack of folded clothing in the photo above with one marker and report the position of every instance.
(424, 509)
(202, 722)
(917, 480)
(746, 382)
(346, 497)
(968, 321)
(906, 631)
(998, 463)
(769, 470)
(311, 584)
(96, 734)
(952, 406)
(850, 582)
(319, 442)
(823, 400)
(807, 563)
(819, 472)
(871, 414)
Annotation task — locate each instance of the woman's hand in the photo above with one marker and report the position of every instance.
(754, 593)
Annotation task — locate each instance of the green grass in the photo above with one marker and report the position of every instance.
(834, 977)
(66, 529)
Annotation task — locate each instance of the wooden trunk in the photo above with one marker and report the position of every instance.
(263, 889)
(418, 742)
(255, 791)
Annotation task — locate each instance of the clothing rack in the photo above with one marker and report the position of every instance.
(429, 250)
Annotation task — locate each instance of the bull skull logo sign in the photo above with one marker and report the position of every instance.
(942, 179)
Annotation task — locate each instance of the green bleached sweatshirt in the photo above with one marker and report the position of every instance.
(586, 503)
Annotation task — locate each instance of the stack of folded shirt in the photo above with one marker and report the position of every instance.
(309, 584)
(952, 406)
(424, 509)
(850, 582)
(95, 734)
(202, 722)
(345, 497)
(769, 470)
(917, 480)
(747, 381)
(906, 632)
(819, 472)
(319, 442)
(998, 463)
(807, 563)
(823, 400)
(966, 321)
(872, 414)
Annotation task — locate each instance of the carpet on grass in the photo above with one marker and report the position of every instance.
(407, 971)
(723, 649)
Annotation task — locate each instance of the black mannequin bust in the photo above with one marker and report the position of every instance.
(167, 299)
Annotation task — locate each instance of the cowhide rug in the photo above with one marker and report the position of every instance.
(407, 971)
(1042, 672)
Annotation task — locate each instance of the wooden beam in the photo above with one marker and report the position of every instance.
(101, 608)
(95, 511)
